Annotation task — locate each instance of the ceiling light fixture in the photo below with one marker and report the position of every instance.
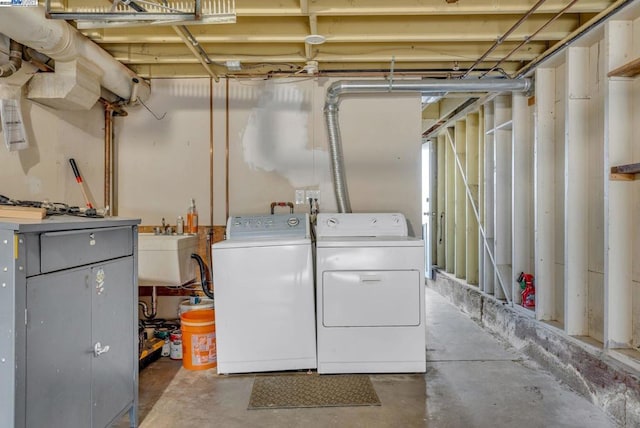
(315, 39)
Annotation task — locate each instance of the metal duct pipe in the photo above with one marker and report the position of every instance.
(15, 59)
(423, 86)
(62, 42)
(336, 158)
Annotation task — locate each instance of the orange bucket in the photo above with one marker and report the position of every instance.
(198, 339)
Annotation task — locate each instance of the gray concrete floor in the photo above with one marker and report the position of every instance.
(473, 379)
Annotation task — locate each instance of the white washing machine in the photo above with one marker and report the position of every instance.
(369, 295)
(264, 295)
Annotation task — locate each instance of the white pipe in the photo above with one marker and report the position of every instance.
(423, 86)
(62, 42)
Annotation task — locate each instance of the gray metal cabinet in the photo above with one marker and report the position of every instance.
(71, 324)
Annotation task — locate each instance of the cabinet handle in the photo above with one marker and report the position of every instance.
(370, 278)
(98, 349)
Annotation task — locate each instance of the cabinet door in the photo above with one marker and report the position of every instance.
(113, 327)
(58, 364)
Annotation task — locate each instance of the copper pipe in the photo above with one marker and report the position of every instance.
(227, 152)
(211, 148)
(504, 37)
(528, 39)
(108, 151)
(110, 110)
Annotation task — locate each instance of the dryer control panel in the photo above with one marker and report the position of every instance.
(268, 226)
(361, 224)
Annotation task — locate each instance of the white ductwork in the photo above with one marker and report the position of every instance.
(63, 43)
(74, 86)
(424, 87)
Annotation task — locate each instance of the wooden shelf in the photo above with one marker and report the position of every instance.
(625, 172)
(629, 69)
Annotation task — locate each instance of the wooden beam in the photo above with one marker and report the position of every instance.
(185, 38)
(632, 168)
(629, 69)
(622, 177)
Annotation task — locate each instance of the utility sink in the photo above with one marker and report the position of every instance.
(165, 260)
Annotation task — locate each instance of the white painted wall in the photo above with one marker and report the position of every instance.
(42, 171)
(277, 143)
(162, 164)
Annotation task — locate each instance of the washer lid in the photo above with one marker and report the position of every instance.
(364, 241)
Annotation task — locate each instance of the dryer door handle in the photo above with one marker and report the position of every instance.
(370, 278)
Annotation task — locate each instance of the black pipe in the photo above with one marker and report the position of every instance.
(203, 275)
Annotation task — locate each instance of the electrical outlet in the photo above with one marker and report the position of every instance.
(300, 199)
(313, 194)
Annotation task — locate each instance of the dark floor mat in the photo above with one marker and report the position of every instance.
(312, 390)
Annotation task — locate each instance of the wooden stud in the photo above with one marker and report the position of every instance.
(441, 203)
(545, 209)
(522, 193)
(461, 200)
(619, 212)
(576, 196)
(471, 168)
(488, 202)
(502, 197)
(449, 218)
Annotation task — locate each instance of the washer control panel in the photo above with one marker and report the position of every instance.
(268, 226)
(361, 224)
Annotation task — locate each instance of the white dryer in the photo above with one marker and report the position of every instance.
(369, 295)
(264, 294)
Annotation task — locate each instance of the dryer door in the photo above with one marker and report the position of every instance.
(371, 298)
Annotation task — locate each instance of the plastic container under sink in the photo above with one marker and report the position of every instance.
(165, 260)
